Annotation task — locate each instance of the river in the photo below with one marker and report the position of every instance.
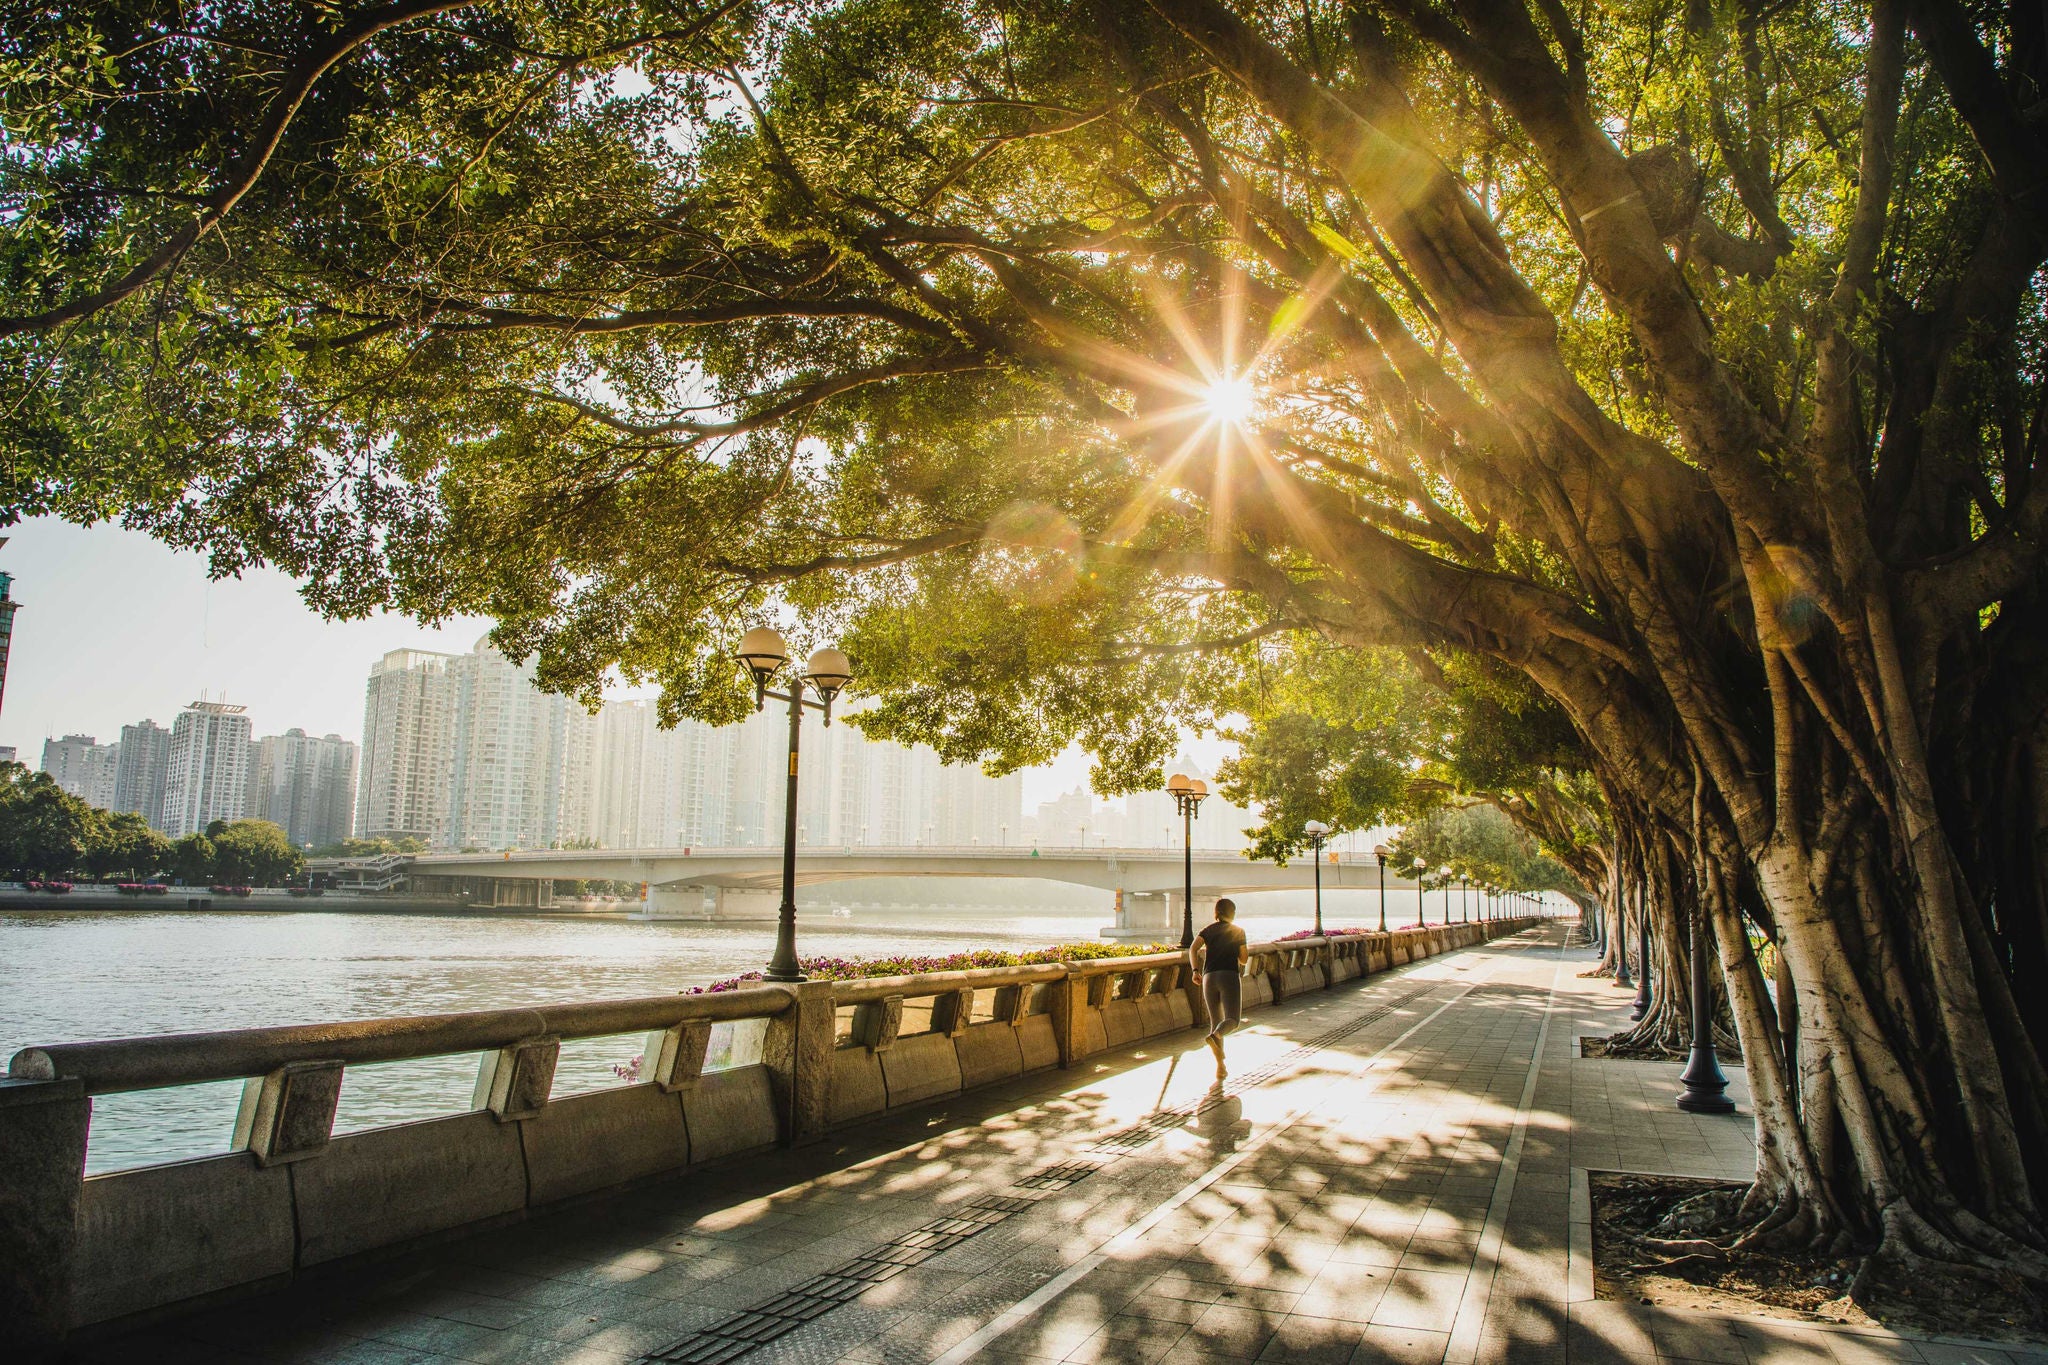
(68, 976)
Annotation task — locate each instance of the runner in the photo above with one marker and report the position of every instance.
(1218, 954)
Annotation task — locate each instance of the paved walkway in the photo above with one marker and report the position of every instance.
(1388, 1176)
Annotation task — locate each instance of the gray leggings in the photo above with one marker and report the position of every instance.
(1220, 992)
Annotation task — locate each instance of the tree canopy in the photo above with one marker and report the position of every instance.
(44, 830)
(1678, 367)
(255, 853)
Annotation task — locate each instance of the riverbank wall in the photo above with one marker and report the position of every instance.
(269, 900)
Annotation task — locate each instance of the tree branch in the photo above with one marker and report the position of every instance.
(248, 168)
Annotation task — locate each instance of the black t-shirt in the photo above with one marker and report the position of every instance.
(1221, 942)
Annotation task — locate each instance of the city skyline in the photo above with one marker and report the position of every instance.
(464, 751)
(116, 628)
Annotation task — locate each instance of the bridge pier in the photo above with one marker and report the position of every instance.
(1145, 917)
(693, 901)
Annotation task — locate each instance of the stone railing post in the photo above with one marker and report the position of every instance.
(877, 1023)
(952, 1012)
(515, 1082)
(288, 1114)
(673, 1058)
(42, 1171)
(1191, 987)
(798, 1053)
(1069, 1003)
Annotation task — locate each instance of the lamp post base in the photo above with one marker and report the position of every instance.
(1702, 1078)
(1704, 1086)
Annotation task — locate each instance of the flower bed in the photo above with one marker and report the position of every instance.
(859, 968)
(141, 888)
(220, 890)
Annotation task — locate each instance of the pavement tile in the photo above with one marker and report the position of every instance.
(1426, 1300)
(1186, 1283)
(1400, 1346)
(1227, 1329)
(1166, 1310)
(1369, 1250)
(1259, 1300)
(1859, 1348)
(1698, 1341)
(1429, 1254)
(1304, 1340)
(1111, 1346)
(1190, 1352)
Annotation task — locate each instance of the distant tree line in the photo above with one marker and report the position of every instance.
(46, 832)
(370, 848)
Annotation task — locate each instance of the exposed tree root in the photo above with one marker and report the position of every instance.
(1768, 1246)
(1666, 1035)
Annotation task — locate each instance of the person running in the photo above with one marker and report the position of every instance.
(1218, 954)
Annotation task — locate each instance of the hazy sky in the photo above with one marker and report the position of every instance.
(115, 627)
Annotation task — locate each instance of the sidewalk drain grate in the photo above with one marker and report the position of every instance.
(733, 1337)
(1057, 1177)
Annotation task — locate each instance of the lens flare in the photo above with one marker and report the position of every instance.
(1231, 400)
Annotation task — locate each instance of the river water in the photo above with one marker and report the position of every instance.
(68, 976)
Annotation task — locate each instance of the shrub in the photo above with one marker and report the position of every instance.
(858, 968)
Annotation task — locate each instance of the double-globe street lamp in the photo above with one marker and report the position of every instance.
(1317, 831)
(1188, 794)
(763, 652)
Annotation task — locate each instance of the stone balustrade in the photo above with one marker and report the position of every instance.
(722, 1074)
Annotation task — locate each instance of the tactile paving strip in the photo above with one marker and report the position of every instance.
(756, 1326)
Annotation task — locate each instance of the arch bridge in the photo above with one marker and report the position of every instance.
(745, 883)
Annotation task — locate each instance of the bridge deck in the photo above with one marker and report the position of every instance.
(1388, 1176)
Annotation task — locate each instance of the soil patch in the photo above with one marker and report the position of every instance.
(1629, 1208)
(1594, 1048)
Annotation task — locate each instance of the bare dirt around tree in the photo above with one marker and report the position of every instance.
(1632, 1212)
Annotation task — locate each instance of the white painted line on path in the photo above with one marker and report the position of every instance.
(1465, 1331)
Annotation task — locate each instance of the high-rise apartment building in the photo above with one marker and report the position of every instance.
(139, 771)
(661, 788)
(206, 775)
(976, 809)
(486, 760)
(306, 785)
(576, 819)
(82, 766)
(1141, 820)
(518, 778)
(408, 752)
(8, 606)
